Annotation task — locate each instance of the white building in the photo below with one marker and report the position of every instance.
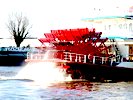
(119, 28)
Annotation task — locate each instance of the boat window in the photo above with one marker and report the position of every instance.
(125, 26)
(120, 26)
(109, 27)
(130, 27)
(130, 50)
(105, 27)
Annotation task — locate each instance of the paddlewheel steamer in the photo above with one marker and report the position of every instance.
(81, 52)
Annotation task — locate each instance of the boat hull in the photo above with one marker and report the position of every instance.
(12, 60)
(96, 72)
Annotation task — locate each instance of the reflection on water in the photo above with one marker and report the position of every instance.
(77, 85)
(95, 91)
(26, 89)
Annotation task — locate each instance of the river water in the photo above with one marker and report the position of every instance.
(30, 83)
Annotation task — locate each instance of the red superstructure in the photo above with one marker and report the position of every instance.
(79, 41)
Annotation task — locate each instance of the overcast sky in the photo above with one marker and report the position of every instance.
(45, 15)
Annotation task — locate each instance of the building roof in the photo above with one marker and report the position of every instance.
(103, 18)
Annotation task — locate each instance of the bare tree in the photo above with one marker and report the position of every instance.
(19, 28)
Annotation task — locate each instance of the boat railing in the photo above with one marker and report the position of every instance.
(70, 57)
(34, 56)
(49, 54)
(74, 57)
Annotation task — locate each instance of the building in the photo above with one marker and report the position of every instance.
(116, 28)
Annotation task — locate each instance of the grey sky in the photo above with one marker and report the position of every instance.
(45, 15)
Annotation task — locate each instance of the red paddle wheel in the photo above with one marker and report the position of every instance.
(79, 41)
